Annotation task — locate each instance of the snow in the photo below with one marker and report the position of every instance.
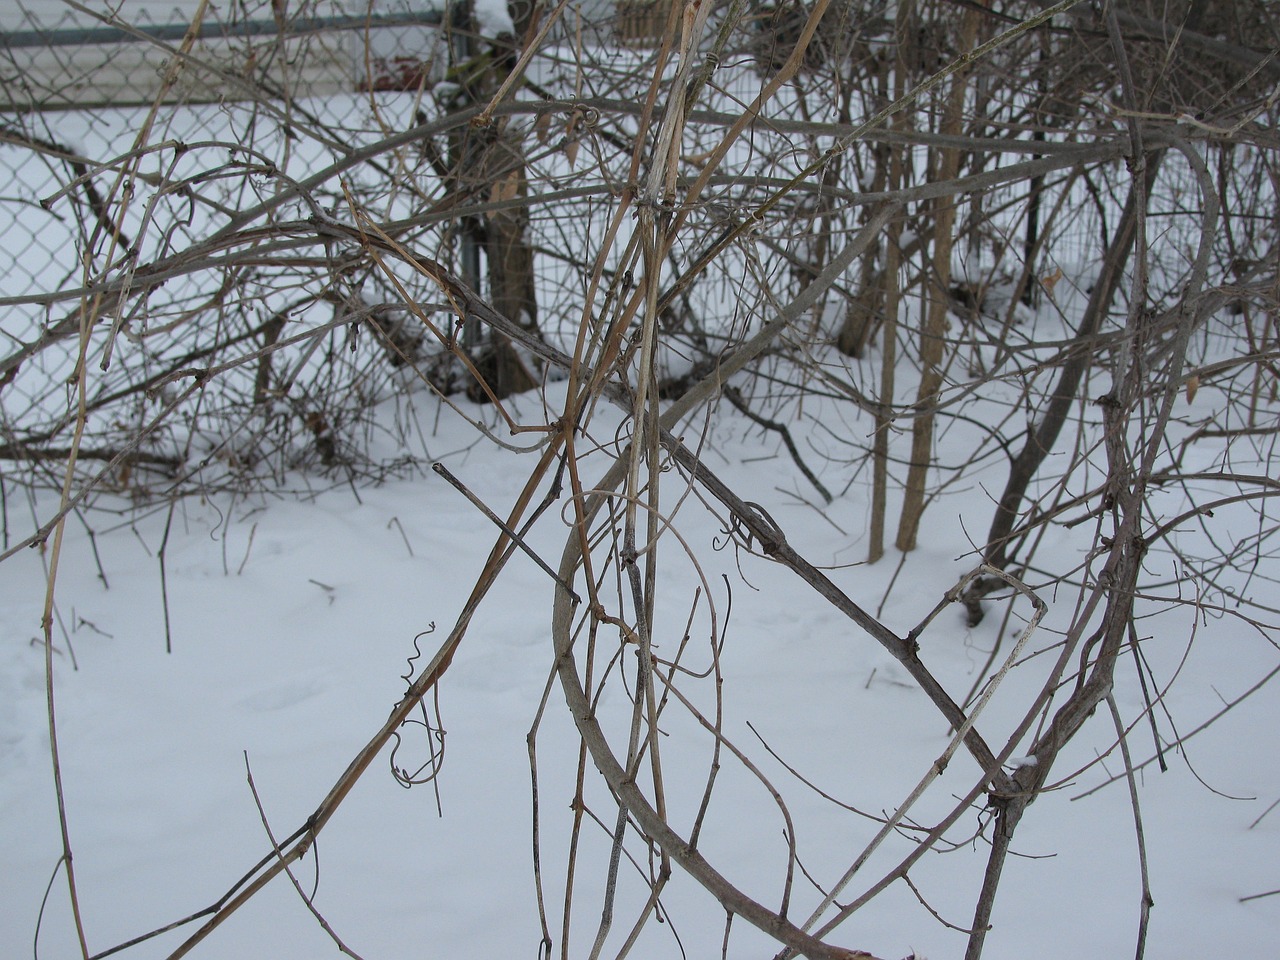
(292, 625)
(295, 618)
(493, 19)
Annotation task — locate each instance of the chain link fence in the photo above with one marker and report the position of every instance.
(75, 89)
(229, 205)
(126, 142)
(166, 170)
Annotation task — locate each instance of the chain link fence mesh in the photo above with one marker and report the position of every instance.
(128, 140)
(75, 89)
(176, 174)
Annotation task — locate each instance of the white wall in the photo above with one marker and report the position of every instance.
(26, 14)
(128, 73)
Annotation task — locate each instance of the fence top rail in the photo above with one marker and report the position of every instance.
(93, 36)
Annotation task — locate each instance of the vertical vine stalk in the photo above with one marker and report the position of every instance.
(933, 331)
(652, 227)
(892, 297)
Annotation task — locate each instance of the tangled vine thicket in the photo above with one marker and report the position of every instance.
(1051, 227)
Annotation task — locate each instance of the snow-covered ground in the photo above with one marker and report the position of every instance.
(296, 620)
(292, 620)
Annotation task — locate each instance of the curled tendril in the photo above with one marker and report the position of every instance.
(407, 677)
(433, 727)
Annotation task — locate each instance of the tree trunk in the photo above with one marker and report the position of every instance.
(489, 165)
(510, 259)
(890, 295)
(933, 333)
(889, 360)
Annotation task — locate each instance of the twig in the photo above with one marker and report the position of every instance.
(479, 504)
(936, 915)
(531, 740)
(1274, 804)
(305, 836)
(1142, 671)
(248, 548)
(1231, 704)
(266, 826)
(403, 536)
(734, 396)
(1144, 911)
(1259, 896)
